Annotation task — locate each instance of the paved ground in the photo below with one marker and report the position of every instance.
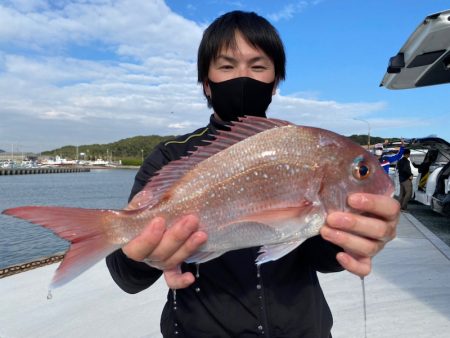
(407, 296)
(437, 223)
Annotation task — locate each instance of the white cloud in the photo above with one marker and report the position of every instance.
(289, 10)
(97, 71)
(182, 125)
(332, 115)
(151, 73)
(58, 115)
(131, 28)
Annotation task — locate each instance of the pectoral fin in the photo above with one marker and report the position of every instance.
(276, 215)
(292, 220)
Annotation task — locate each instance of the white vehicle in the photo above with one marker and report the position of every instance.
(424, 60)
(432, 185)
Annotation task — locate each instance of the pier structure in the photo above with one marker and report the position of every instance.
(12, 270)
(42, 170)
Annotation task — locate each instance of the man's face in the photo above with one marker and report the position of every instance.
(244, 61)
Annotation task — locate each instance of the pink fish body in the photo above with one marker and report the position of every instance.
(265, 183)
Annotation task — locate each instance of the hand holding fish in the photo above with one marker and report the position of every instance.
(362, 236)
(165, 249)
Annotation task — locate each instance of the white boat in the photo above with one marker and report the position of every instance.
(56, 161)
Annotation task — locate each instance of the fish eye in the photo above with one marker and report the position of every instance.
(360, 170)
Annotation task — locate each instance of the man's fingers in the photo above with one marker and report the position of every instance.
(187, 249)
(360, 267)
(175, 238)
(354, 244)
(377, 223)
(175, 279)
(141, 246)
(362, 236)
(364, 226)
(382, 206)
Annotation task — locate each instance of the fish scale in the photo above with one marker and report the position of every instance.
(229, 182)
(265, 183)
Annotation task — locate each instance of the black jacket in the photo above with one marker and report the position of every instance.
(404, 169)
(230, 297)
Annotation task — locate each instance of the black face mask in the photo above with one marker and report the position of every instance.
(240, 96)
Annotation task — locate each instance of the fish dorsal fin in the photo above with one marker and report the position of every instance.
(172, 172)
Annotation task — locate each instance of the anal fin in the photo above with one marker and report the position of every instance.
(273, 252)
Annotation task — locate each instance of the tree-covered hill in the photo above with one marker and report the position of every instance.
(362, 139)
(129, 148)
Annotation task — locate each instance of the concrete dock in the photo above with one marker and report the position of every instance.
(42, 170)
(407, 295)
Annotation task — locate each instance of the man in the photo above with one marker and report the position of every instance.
(386, 160)
(405, 177)
(241, 60)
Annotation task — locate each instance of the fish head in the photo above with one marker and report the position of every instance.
(352, 169)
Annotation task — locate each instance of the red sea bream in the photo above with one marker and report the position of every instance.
(265, 183)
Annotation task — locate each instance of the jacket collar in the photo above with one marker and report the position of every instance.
(216, 125)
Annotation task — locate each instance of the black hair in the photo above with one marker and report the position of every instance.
(407, 152)
(254, 28)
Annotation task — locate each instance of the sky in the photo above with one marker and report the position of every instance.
(82, 72)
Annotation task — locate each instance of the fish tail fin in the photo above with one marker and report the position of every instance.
(86, 229)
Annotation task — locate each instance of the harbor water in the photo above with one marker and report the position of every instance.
(21, 241)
